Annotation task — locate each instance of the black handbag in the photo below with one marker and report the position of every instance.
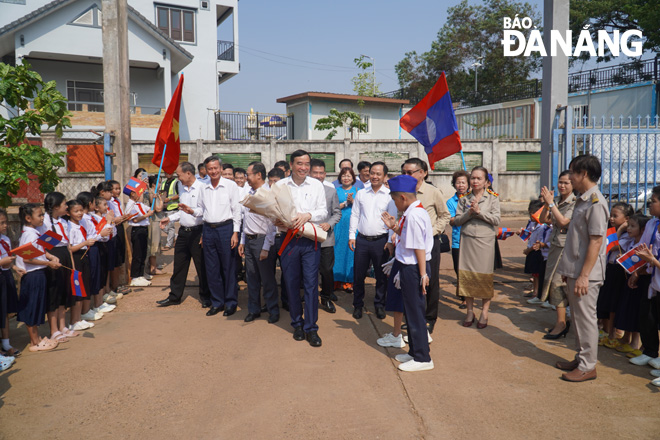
(445, 245)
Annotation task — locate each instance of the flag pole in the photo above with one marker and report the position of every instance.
(162, 157)
(463, 159)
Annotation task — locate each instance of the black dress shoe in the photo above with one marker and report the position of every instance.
(328, 306)
(272, 319)
(168, 302)
(206, 304)
(357, 312)
(299, 334)
(430, 325)
(380, 312)
(214, 311)
(314, 339)
(229, 311)
(264, 309)
(404, 326)
(251, 317)
(333, 297)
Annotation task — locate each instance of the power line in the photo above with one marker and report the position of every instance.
(295, 65)
(240, 46)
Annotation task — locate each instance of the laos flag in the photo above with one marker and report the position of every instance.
(433, 123)
(77, 286)
(504, 233)
(630, 261)
(612, 239)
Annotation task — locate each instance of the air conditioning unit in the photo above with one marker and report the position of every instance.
(204, 5)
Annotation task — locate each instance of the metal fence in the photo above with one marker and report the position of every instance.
(253, 126)
(627, 148)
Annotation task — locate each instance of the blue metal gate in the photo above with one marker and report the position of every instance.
(627, 148)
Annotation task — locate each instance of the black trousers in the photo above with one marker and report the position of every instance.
(369, 252)
(139, 239)
(433, 293)
(187, 247)
(649, 318)
(325, 270)
(283, 295)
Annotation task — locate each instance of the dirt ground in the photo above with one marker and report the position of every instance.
(144, 372)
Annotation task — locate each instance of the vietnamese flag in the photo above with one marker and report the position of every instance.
(168, 134)
(27, 252)
(433, 123)
(537, 216)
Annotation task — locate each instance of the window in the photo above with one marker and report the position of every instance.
(367, 120)
(82, 92)
(178, 24)
(204, 5)
(91, 17)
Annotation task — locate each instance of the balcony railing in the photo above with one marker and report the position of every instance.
(225, 50)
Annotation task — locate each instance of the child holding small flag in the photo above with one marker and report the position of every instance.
(80, 243)
(106, 244)
(627, 311)
(139, 238)
(8, 295)
(534, 258)
(33, 300)
(121, 216)
(615, 277)
(649, 317)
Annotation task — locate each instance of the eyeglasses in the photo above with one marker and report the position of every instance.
(410, 173)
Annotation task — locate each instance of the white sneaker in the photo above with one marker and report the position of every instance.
(413, 365)
(79, 326)
(116, 295)
(110, 299)
(656, 382)
(106, 308)
(92, 315)
(547, 305)
(404, 357)
(655, 363)
(534, 300)
(641, 360)
(405, 338)
(389, 340)
(90, 324)
(140, 282)
(148, 276)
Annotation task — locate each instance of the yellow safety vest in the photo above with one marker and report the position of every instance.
(171, 192)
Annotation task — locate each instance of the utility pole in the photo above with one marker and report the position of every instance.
(555, 81)
(116, 85)
(116, 91)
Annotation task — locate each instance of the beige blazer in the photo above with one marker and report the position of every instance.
(483, 224)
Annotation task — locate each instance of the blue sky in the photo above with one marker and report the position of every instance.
(330, 33)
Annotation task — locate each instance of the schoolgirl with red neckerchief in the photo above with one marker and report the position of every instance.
(59, 281)
(8, 294)
(106, 245)
(139, 238)
(117, 245)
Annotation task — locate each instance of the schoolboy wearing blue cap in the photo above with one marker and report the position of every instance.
(413, 252)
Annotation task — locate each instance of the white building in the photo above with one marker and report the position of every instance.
(62, 41)
(380, 114)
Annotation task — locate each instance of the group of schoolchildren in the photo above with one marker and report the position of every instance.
(628, 307)
(91, 242)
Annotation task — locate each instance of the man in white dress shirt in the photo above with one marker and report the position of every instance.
(187, 245)
(301, 257)
(257, 245)
(369, 237)
(221, 213)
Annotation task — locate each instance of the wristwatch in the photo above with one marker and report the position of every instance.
(551, 205)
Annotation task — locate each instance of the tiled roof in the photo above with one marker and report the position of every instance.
(343, 97)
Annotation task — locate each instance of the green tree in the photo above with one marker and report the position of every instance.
(472, 33)
(364, 83)
(30, 103)
(621, 15)
(336, 119)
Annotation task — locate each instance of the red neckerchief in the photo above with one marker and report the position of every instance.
(4, 246)
(140, 208)
(84, 233)
(114, 199)
(63, 233)
(403, 220)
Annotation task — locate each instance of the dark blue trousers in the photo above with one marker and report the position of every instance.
(220, 261)
(301, 261)
(414, 305)
(369, 252)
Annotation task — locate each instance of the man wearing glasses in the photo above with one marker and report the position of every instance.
(435, 204)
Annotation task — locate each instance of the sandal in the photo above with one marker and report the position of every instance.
(69, 333)
(165, 248)
(44, 345)
(59, 337)
(122, 289)
(12, 352)
(6, 362)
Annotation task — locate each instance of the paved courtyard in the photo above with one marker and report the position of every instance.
(146, 373)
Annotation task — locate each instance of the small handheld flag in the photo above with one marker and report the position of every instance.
(537, 216)
(504, 233)
(136, 186)
(524, 235)
(27, 251)
(433, 123)
(77, 286)
(630, 261)
(100, 225)
(612, 239)
(49, 240)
